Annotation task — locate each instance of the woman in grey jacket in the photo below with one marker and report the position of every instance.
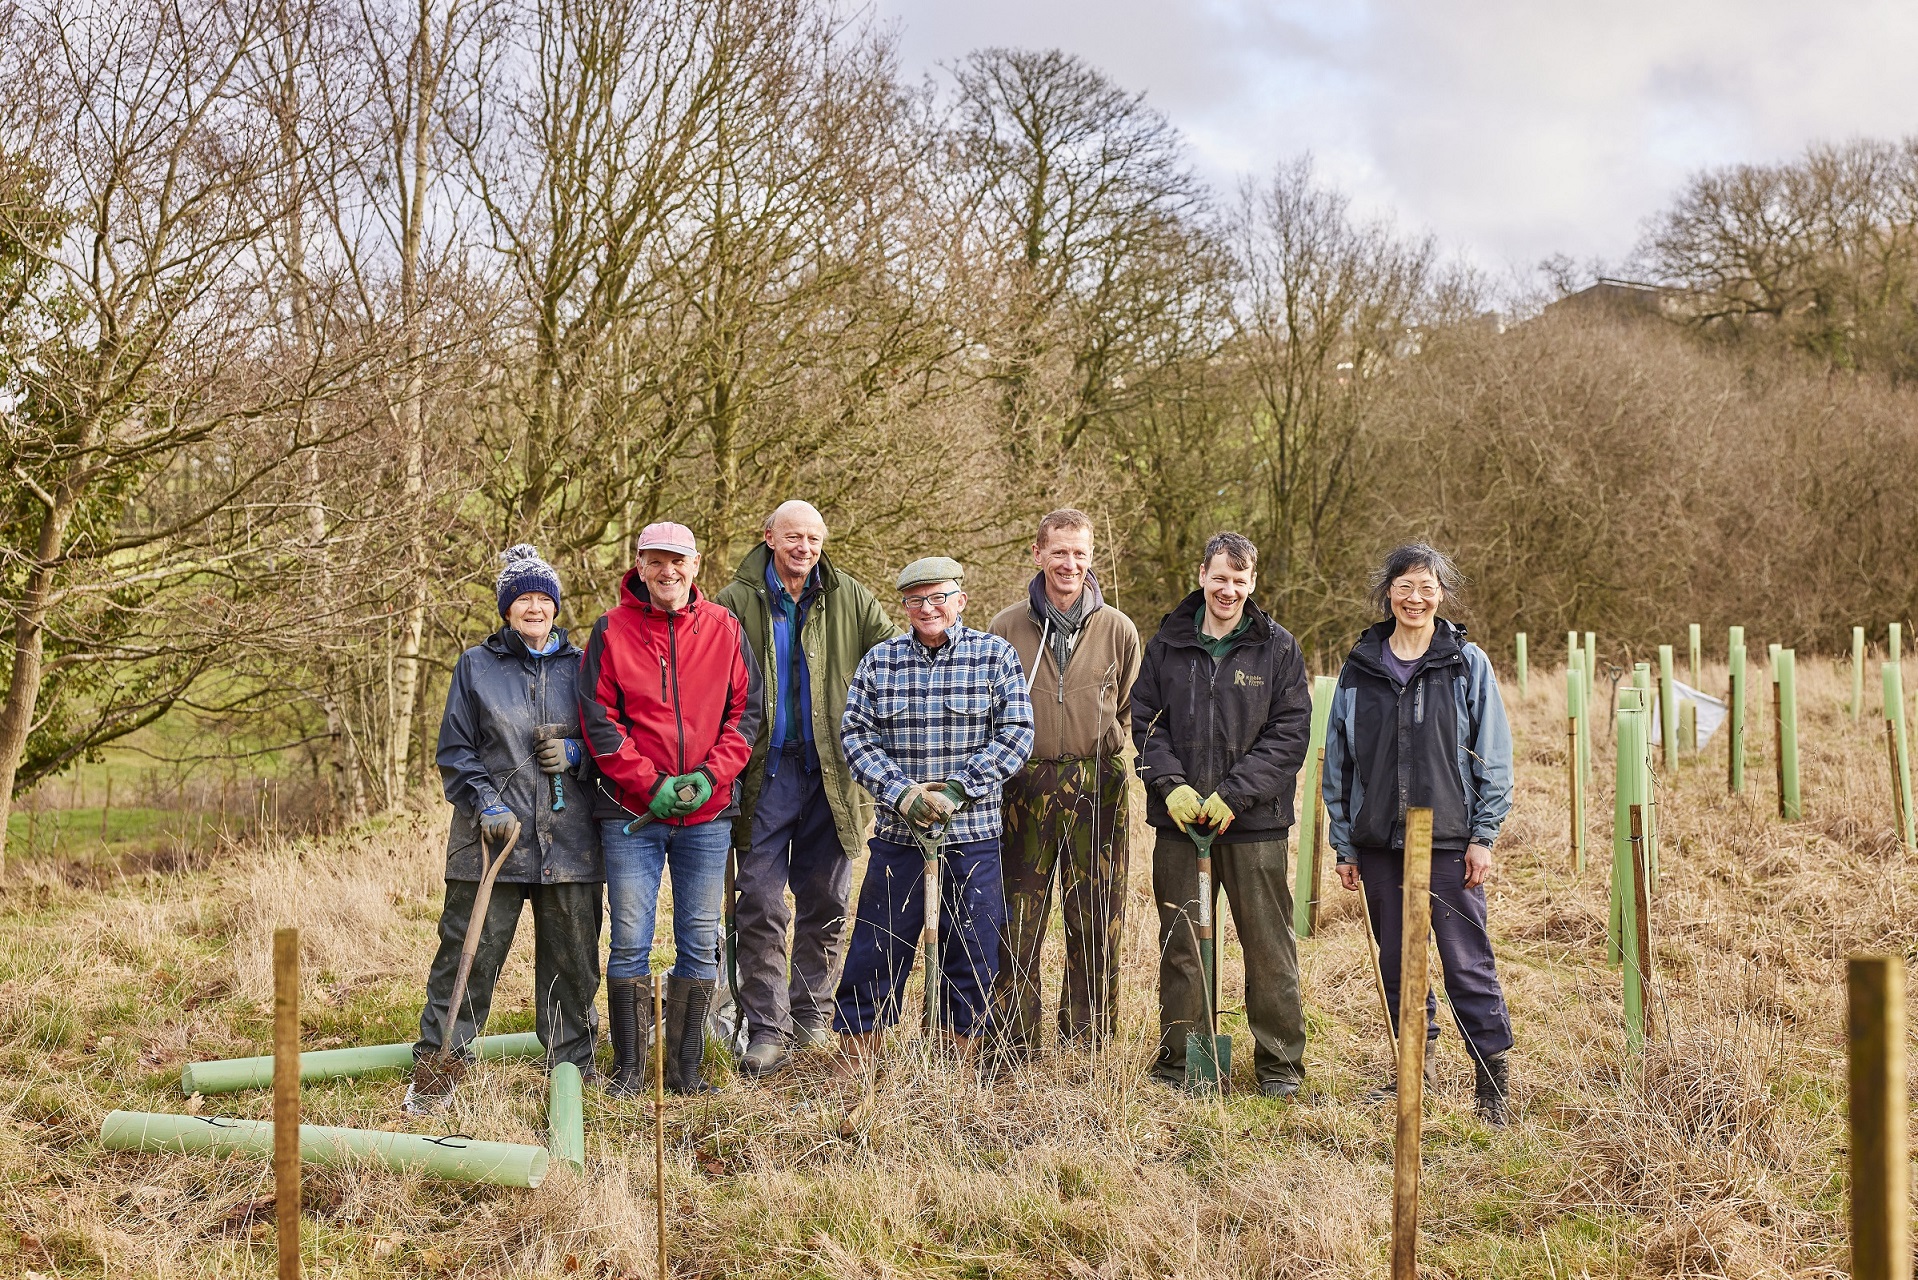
(509, 749)
(1417, 723)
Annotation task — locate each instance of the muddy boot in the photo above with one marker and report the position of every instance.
(1494, 1090)
(629, 1010)
(687, 1001)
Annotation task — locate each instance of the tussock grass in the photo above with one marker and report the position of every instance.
(1718, 1152)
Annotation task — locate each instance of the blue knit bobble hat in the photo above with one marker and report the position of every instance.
(524, 571)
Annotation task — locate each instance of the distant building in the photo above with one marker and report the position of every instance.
(1625, 298)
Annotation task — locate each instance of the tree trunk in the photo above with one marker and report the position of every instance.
(29, 648)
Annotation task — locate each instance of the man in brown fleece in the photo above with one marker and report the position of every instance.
(1066, 809)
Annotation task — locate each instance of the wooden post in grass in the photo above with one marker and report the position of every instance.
(1519, 647)
(1899, 750)
(1697, 653)
(1667, 710)
(106, 807)
(1880, 1150)
(1687, 727)
(1895, 645)
(1857, 672)
(1310, 809)
(1414, 979)
(286, 1098)
(1735, 716)
(1791, 805)
(1638, 966)
(659, 1120)
(1574, 756)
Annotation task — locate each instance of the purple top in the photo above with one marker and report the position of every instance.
(1399, 668)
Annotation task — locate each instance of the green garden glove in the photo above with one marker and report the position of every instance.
(1217, 813)
(1184, 806)
(955, 793)
(665, 799)
(701, 784)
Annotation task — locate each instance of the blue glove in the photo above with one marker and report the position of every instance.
(496, 822)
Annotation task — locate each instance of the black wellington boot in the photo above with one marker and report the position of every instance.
(687, 1002)
(1494, 1090)
(629, 1010)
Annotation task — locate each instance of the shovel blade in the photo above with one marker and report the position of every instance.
(1208, 1062)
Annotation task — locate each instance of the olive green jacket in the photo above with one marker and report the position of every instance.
(844, 622)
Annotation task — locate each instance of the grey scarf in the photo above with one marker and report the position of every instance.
(1059, 628)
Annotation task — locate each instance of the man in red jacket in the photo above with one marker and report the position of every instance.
(669, 701)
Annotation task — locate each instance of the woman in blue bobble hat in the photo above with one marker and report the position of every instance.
(509, 749)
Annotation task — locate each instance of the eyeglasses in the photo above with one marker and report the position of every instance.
(936, 600)
(1406, 590)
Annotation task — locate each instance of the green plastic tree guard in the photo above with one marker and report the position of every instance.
(1697, 654)
(1667, 709)
(1900, 756)
(1591, 667)
(503, 1164)
(1791, 803)
(566, 1117)
(1519, 647)
(1735, 717)
(1575, 713)
(233, 1074)
(1857, 673)
(1307, 874)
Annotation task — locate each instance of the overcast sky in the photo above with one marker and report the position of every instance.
(1511, 130)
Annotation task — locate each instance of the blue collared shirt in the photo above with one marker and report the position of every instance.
(792, 707)
(959, 712)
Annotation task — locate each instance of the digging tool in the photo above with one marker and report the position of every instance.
(1208, 1055)
(659, 1119)
(549, 733)
(1378, 973)
(932, 841)
(646, 818)
(446, 1068)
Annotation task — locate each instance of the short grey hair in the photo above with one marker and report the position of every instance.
(1403, 560)
(1235, 547)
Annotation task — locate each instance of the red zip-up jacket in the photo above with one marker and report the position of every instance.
(666, 693)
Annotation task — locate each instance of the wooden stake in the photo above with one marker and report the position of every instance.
(659, 1119)
(1414, 981)
(1880, 1196)
(1778, 734)
(105, 809)
(286, 1098)
(1571, 791)
(1642, 923)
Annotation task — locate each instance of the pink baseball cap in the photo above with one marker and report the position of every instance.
(664, 535)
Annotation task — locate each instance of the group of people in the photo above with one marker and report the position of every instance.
(760, 735)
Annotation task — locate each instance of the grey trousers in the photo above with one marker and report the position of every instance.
(566, 921)
(794, 843)
(1253, 877)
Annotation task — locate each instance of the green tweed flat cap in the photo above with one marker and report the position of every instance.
(931, 569)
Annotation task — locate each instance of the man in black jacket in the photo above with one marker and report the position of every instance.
(1221, 714)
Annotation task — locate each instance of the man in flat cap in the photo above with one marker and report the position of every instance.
(936, 721)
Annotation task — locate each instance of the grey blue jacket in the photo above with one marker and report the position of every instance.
(1439, 741)
(1238, 725)
(501, 693)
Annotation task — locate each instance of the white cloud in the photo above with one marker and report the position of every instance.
(1512, 130)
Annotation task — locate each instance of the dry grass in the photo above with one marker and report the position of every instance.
(1718, 1153)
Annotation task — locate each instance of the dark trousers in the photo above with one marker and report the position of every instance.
(892, 915)
(1066, 817)
(1464, 946)
(794, 842)
(1253, 877)
(566, 920)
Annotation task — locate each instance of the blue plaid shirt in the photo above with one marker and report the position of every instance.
(915, 714)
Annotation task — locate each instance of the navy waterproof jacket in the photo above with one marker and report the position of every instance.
(1439, 741)
(501, 694)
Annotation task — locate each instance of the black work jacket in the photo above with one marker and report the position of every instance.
(501, 693)
(1238, 725)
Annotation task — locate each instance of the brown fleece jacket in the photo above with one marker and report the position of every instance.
(1092, 715)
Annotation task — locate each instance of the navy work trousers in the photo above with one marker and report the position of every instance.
(1464, 946)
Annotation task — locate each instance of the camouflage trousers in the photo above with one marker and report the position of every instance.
(1068, 816)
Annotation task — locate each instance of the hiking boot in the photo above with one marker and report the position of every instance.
(1285, 1089)
(817, 1040)
(1390, 1089)
(687, 1002)
(763, 1058)
(629, 1013)
(1493, 1087)
(430, 1091)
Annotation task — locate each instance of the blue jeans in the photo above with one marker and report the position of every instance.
(885, 935)
(634, 865)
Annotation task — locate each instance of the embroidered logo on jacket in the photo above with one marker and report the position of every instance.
(1241, 678)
